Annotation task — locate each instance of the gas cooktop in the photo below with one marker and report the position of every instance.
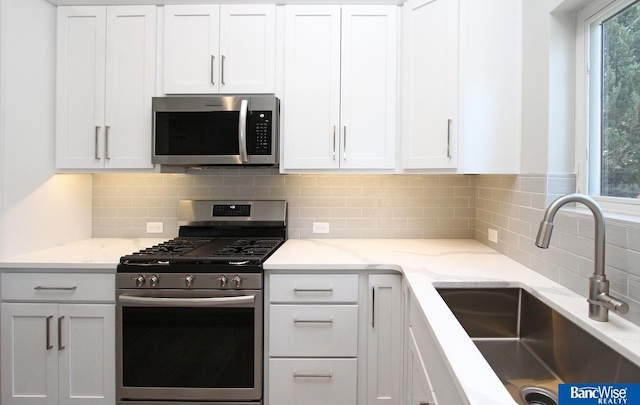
(203, 250)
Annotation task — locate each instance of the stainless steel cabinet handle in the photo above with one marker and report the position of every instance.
(60, 345)
(449, 139)
(425, 403)
(43, 288)
(213, 62)
(373, 307)
(48, 344)
(96, 143)
(313, 290)
(244, 300)
(296, 320)
(328, 374)
(106, 143)
(344, 144)
(222, 71)
(334, 142)
(242, 130)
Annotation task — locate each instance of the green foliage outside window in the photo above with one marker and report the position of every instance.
(620, 130)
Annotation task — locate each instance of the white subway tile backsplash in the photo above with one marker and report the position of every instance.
(356, 206)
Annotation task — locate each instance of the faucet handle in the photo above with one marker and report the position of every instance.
(612, 303)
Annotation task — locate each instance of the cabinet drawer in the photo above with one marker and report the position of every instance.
(313, 288)
(313, 381)
(313, 330)
(58, 287)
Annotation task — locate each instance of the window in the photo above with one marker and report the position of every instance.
(610, 32)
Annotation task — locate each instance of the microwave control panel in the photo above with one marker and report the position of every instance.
(260, 133)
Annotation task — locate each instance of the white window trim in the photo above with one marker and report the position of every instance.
(586, 17)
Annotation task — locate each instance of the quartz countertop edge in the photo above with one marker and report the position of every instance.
(427, 264)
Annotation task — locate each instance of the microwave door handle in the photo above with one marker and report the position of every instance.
(243, 300)
(242, 130)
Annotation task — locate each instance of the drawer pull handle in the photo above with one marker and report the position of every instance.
(313, 290)
(296, 320)
(41, 288)
(308, 375)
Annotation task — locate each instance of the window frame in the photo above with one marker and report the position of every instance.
(588, 73)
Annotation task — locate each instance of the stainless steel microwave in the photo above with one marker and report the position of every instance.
(215, 130)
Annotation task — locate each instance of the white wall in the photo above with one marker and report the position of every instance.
(548, 112)
(39, 209)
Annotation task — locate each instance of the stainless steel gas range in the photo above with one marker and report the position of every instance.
(189, 318)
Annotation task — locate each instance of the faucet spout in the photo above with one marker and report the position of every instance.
(599, 299)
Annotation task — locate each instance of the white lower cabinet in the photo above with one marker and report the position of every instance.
(333, 339)
(59, 352)
(427, 380)
(418, 388)
(384, 339)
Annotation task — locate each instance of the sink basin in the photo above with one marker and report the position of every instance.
(531, 347)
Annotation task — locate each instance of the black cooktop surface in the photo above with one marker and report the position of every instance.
(204, 250)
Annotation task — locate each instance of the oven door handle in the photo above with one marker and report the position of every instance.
(244, 300)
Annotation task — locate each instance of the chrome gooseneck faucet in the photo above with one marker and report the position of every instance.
(600, 302)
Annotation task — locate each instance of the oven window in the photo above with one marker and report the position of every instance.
(188, 347)
(197, 133)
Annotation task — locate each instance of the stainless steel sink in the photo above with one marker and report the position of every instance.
(530, 346)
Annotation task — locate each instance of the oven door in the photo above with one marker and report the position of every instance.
(184, 345)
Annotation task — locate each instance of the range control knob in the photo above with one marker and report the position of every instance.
(139, 280)
(188, 280)
(237, 280)
(222, 280)
(153, 280)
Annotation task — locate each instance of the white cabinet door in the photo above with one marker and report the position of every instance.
(219, 49)
(247, 48)
(191, 48)
(430, 89)
(130, 85)
(29, 354)
(311, 104)
(419, 391)
(368, 87)
(80, 87)
(57, 354)
(87, 354)
(105, 81)
(385, 323)
(339, 90)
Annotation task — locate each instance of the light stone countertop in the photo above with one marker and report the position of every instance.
(429, 263)
(97, 254)
(424, 263)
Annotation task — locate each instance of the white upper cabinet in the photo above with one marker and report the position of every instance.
(219, 49)
(339, 102)
(461, 85)
(106, 58)
(430, 89)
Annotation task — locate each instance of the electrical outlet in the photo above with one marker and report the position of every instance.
(155, 227)
(493, 235)
(320, 227)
